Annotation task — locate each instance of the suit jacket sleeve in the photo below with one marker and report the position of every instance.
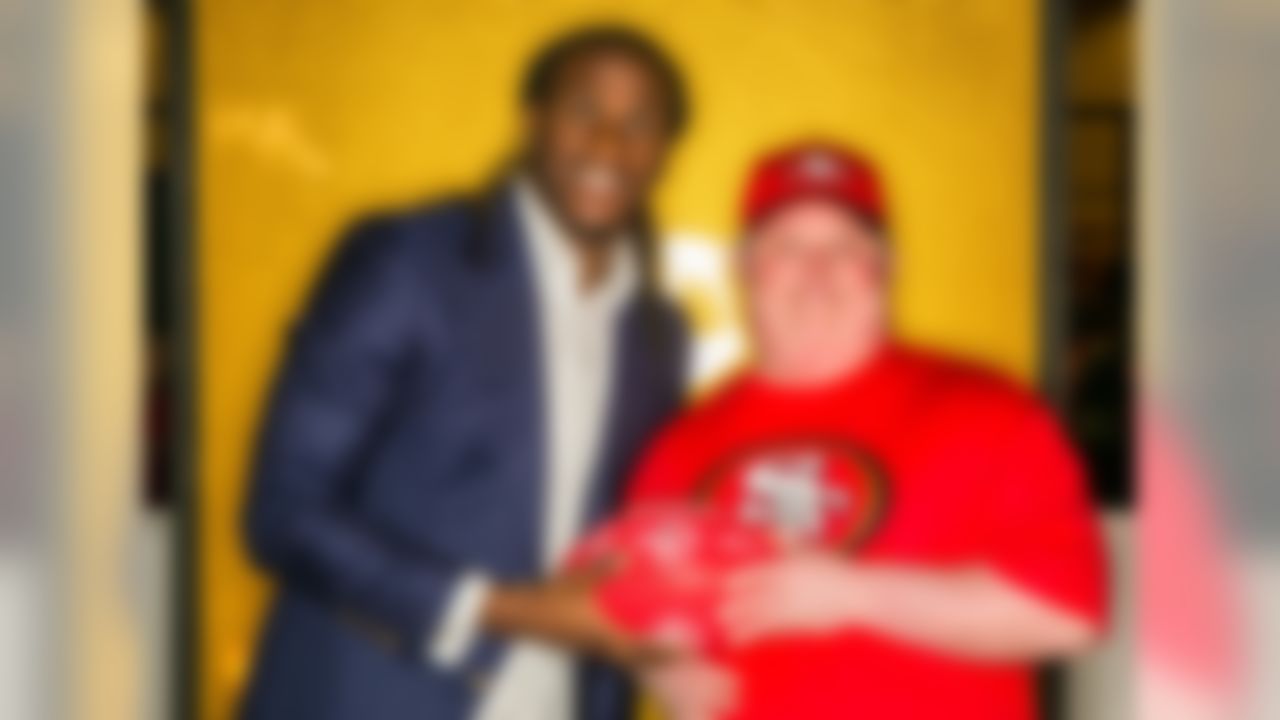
(338, 380)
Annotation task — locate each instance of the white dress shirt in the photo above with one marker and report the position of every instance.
(578, 336)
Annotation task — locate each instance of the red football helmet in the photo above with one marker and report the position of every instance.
(667, 562)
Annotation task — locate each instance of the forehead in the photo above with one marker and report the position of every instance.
(816, 220)
(612, 71)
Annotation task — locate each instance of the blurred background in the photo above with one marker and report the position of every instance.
(173, 171)
(305, 118)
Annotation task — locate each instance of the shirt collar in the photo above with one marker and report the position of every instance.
(556, 264)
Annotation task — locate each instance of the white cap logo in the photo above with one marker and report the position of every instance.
(819, 166)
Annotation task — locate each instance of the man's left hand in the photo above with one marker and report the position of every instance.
(808, 592)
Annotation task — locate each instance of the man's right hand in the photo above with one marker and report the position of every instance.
(563, 611)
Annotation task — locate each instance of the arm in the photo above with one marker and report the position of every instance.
(970, 612)
(562, 611)
(973, 612)
(338, 381)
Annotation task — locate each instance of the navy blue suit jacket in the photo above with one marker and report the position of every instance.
(403, 445)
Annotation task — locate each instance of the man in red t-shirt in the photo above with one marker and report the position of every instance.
(940, 538)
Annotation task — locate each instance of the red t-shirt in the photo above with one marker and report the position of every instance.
(913, 459)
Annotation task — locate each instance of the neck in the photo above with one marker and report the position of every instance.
(594, 260)
(808, 369)
(592, 250)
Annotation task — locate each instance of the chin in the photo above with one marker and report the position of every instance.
(596, 225)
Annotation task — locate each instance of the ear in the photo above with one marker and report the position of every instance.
(742, 253)
(741, 263)
(885, 261)
(530, 121)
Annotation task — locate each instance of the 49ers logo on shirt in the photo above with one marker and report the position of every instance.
(826, 491)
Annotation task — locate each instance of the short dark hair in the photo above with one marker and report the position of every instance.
(545, 68)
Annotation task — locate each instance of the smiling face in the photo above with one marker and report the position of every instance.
(598, 139)
(816, 280)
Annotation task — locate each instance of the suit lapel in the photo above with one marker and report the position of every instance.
(500, 251)
(620, 415)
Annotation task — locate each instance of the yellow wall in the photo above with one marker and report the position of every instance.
(311, 111)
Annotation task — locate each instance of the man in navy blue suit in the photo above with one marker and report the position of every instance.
(462, 395)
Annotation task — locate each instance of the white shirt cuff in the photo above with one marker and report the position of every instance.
(459, 626)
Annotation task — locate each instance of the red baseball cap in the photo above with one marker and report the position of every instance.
(813, 170)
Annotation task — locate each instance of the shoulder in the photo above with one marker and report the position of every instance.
(668, 320)
(398, 253)
(705, 414)
(668, 464)
(954, 385)
(396, 235)
(975, 407)
(669, 316)
(379, 263)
